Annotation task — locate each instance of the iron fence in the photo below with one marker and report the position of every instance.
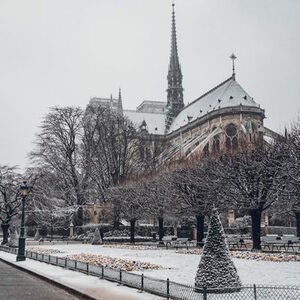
(167, 288)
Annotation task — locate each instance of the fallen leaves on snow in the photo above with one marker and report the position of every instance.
(259, 256)
(118, 263)
(131, 247)
(41, 250)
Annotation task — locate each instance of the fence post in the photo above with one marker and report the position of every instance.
(57, 260)
(205, 293)
(75, 264)
(49, 259)
(42, 256)
(120, 276)
(87, 268)
(142, 282)
(254, 291)
(66, 263)
(168, 288)
(102, 272)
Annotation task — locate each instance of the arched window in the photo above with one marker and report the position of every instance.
(231, 137)
(216, 144)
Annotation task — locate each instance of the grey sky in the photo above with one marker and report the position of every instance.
(61, 52)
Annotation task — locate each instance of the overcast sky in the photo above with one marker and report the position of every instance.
(62, 52)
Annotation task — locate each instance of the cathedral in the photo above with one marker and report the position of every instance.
(225, 118)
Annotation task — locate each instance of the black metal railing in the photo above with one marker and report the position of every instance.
(167, 288)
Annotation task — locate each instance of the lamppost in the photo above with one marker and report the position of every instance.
(24, 190)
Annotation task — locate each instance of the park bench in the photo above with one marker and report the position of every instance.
(173, 241)
(168, 241)
(291, 242)
(271, 241)
(236, 243)
(275, 242)
(180, 242)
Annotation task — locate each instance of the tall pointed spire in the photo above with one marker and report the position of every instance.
(120, 105)
(175, 91)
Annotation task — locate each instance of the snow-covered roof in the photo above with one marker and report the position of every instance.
(227, 94)
(155, 121)
(152, 106)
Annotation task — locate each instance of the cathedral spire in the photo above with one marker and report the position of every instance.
(120, 105)
(174, 61)
(175, 90)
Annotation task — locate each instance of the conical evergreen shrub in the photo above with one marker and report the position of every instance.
(216, 269)
(97, 238)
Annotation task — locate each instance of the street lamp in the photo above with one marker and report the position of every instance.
(24, 191)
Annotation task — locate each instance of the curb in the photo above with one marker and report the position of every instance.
(69, 289)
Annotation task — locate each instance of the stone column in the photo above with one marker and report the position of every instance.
(194, 232)
(265, 223)
(230, 217)
(175, 230)
(71, 230)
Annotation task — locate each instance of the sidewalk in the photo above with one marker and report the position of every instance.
(84, 284)
(19, 285)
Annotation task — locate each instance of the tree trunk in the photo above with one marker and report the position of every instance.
(297, 214)
(132, 231)
(256, 219)
(200, 229)
(116, 218)
(5, 228)
(79, 216)
(160, 229)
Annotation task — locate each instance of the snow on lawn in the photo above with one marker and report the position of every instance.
(182, 267)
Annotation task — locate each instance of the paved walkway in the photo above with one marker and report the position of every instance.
(88, 285)
(18, 285)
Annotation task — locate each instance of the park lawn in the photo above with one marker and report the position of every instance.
(182, 267)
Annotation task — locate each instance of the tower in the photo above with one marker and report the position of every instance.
(175, 91)
(120, 105)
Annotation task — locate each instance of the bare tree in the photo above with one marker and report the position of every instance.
(111, 149)
(253, 181)
(131, 202)
(58, 151)
(291, 198)
(198, 191)
(111, 146)
(10, 199)
(46, 209)
(160, 201)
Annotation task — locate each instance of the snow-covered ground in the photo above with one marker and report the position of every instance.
(182, 267)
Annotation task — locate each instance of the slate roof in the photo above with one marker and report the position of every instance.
(227, 94)
(155, 121)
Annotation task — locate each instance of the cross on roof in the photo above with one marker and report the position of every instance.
(233, 58)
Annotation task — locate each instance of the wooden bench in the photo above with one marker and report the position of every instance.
(168, 241)
(236, 243)
(173, 241)
(278, 243)
(179, 242)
